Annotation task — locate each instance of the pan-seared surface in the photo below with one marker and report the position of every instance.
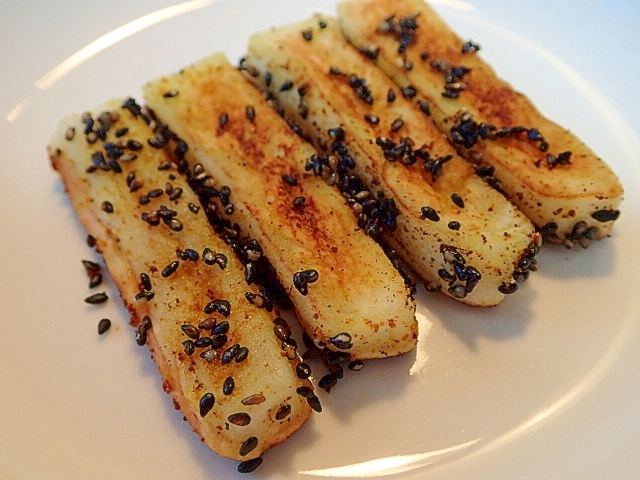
(146, 221)
(455, 231)
(351, 298)
(549, 173)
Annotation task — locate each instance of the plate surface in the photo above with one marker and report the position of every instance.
(546, 385)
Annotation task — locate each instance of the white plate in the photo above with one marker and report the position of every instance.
(547, 385)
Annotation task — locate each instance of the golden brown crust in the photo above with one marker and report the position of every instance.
(358, 291)
(343, 91)
(573, 197)
(131, 246)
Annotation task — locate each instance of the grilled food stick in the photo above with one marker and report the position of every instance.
(549, 173)
(218, 354)
(346, 292)
(456, 232)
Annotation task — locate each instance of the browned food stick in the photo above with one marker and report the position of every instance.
(218, 354)
(553, 176)
(456, 232)
(345, 291)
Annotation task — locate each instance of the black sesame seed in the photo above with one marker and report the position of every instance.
(141, 337)
(255, 399)
(409, 91)
(328, 381)
(314, 403)
(204, 342)
(189, 347)
(135, 185)
(336, 133)
(175, 194)
(155, 193)
(145, 281)
(470, 47)
(103, 326)
(208, 256)
(457, 291)
(91, 241)
(107, 206)
(305, 392)
(288, 85)
(209, 355)
(250, 273)
(457, 199)
(299, 202)
(289, 345)
(95, 280)
(356, 365)
(445, 275)
(146, 295)
(170, 269)
(230, 353)
(240, 419)
(241, 354)
(170, 94)
(121, 132)
(96, 298)
(223, 119)
(453, 225)
(207, 324)
(606, 215)
(250, 112)
(303, 278)
(151, 219)
(342, 341)
(249, 466)
(228, 386)
(91, 267)
(255, 299)
(307, 35)
(207, 402)
(248, 446)
(221, 306)
(134, 145)
(430, 213)
(397, 124)
(372, 119)
(281, 332)
(303, 370)
(218, 341)
(391, 96)
(424, 107)
(508, 288)
(370, 52)
(452, 257)
(289, 180)
(145, 324)
(190, 331)
(220, 328)
(283, 412)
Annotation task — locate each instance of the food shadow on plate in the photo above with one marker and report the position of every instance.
(509, 319)
(597, 260)
(502, 322)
